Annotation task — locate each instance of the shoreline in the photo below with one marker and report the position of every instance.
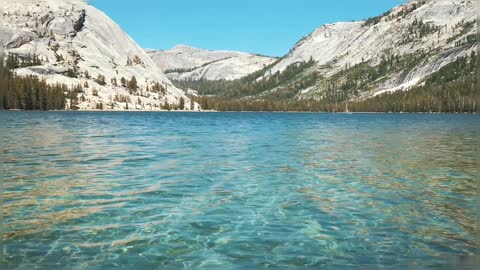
(213, 111)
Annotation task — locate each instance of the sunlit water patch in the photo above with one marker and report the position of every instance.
(238, 191)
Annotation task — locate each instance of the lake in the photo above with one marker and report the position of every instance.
(87, 190)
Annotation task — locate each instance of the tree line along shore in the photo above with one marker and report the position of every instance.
(452, 89)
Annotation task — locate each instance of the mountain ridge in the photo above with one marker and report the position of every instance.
(72, 43)
(79, 45)
(351, 61)
(184, 62)
(350, 43)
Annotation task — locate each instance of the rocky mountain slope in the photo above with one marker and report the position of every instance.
(75, 44)
(433, 33)
(187, 63)
(359, 60)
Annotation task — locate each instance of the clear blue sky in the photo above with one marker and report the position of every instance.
(269, 27)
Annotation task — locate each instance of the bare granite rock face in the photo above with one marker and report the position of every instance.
(78, 44)
(415, 28)
(188, 63)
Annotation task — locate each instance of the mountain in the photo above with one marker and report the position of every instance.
(187, 63)
(345, 62)
(423, 46)
(72, 43)
(431, 29)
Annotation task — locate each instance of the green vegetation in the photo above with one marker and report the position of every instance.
(181, 105)
(180, 70)
(101, 80)
(453, 97)
(250, 85)
(352, 81)
(166, 106)
(284, 86)
(14, 61)
(465, 27)
(186, 70)
(418, 30)
(406, 9)
(158, 88)
(375, 20)
(132, 85)
(32, 93)
(451, 89)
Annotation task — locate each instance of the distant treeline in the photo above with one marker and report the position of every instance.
(452, 89)
(252, 84)
(29, 92)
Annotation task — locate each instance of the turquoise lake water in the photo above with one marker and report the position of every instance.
(238, 190)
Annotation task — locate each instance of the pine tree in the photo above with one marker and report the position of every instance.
(132, 84)
(101, 80)
(166, 106)
(182, 104)
(28, 92)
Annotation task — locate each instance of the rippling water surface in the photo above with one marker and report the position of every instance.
(238, 190)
